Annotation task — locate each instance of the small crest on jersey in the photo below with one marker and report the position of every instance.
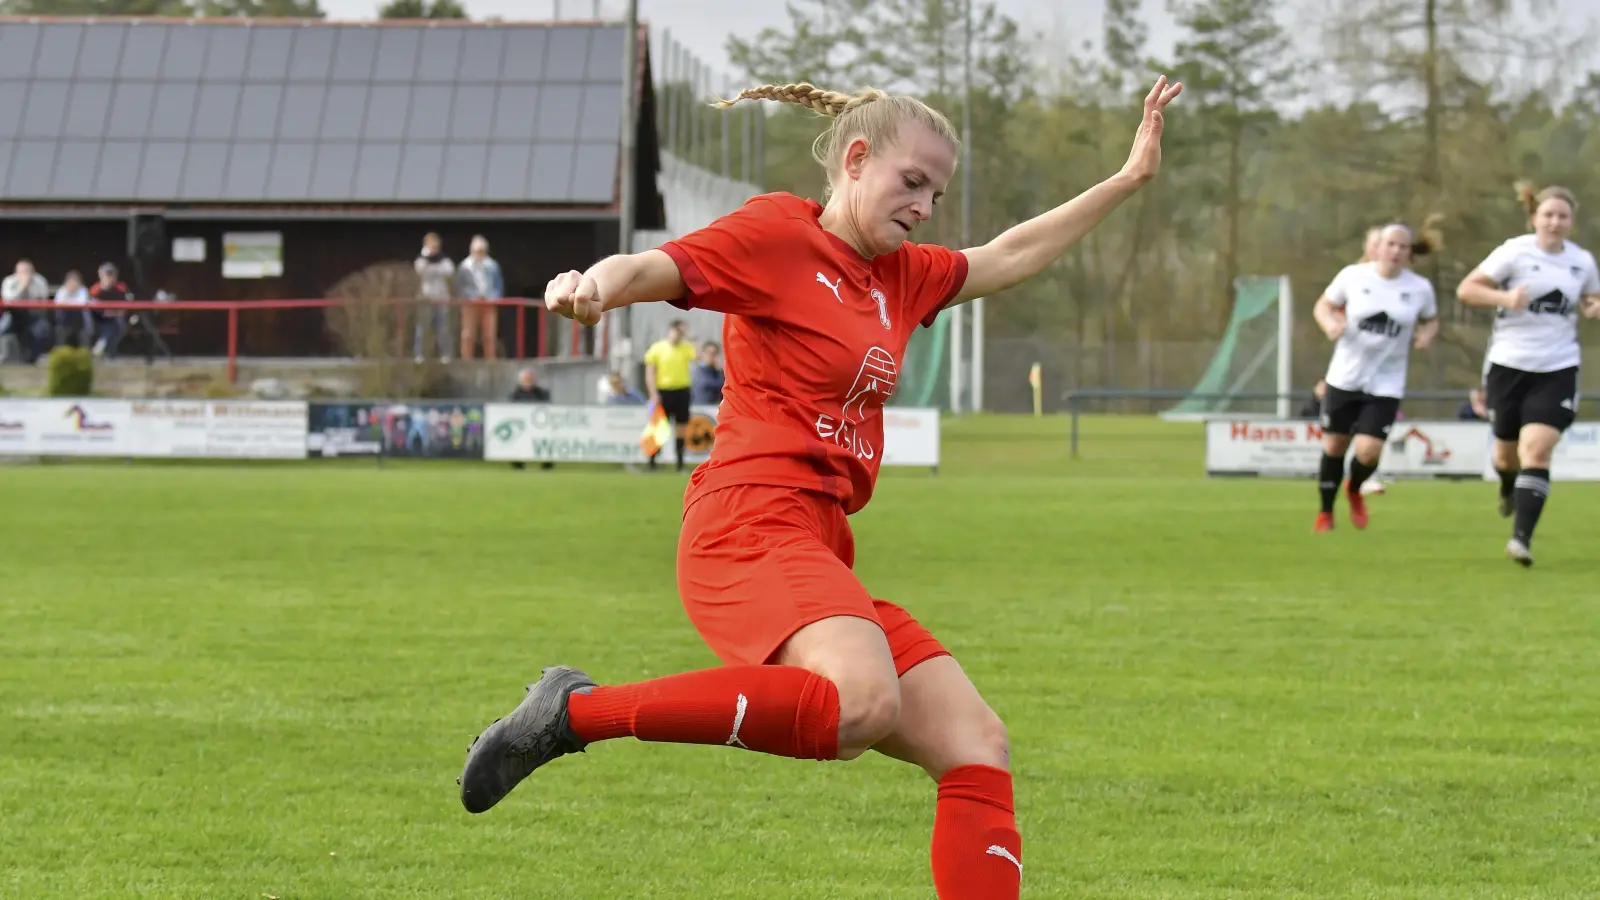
(1577, 271)
(883, 306)
(1405, 297)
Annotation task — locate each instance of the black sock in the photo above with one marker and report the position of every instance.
(1328, 480)
(678, 446)
(1359, 473)
(1508, 481)
(653, 458)
(1533, 487)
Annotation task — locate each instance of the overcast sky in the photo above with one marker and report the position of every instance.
(705, 25)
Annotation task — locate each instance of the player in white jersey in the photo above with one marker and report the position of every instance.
(1374, 312)
(1369, 252)
(1538, 284)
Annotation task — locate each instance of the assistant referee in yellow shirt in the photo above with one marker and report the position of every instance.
(666, 370)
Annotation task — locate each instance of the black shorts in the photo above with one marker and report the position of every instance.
(1516, 398)
(1352, 412)
(675, 403)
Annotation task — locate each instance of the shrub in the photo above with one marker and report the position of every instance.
(377, 332)
(71, 372)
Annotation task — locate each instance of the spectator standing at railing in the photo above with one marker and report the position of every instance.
(74, 324)
(113, 323)
(436, 272)
(705, 387)
(31, 332)
(1475, 408)
(480, 285)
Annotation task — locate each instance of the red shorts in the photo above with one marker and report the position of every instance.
(757, 563)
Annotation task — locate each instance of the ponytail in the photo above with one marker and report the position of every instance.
(1429, 238)
(1531, 198)
(871, 114)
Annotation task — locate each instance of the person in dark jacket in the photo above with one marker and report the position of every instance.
(1475, 408)
(1313, 407)
(705, 376)
(528, 390)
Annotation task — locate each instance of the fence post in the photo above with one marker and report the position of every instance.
(522, 337)
(1072, 407)
(233, 345)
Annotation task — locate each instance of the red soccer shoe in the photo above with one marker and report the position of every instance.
(1358, 508)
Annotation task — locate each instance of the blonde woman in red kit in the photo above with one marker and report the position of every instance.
(820, 302)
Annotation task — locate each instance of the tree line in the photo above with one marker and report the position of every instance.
(1262, 174)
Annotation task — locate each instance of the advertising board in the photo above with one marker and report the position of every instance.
(528, 432)
(180, 429)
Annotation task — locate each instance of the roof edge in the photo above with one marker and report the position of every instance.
(121, 211)
(309, 23)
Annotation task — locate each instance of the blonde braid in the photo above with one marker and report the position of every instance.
(831, 104)
(870, 114)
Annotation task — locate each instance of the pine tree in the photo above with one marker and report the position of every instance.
(1234, 64)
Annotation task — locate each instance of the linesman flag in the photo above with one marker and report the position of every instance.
(657, 431)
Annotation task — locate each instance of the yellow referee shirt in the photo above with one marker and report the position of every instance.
(672, 364)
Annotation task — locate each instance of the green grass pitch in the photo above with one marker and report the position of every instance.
(252, 681)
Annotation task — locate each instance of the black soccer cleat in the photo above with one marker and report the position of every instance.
(1508, 506)
(535, 733)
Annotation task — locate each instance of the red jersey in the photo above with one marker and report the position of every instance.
(813, 340)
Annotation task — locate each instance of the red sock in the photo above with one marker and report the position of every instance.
(782, 710)
(977, 851)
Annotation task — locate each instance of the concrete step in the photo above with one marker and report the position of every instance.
(569, 380)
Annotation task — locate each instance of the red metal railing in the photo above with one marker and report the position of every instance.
(234, 307)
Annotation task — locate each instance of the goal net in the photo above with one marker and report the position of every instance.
(1253, 360)
(924, 377)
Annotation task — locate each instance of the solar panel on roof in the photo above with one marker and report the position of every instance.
(118, 176)
(378, 171)
(31, 164)
(248, 164)
(161, 111)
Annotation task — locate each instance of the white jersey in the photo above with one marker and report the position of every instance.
(1543, 337)
(1372, 354)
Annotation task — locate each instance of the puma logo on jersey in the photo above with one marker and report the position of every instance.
(831, 285)
(1003, 853)
(742, 704)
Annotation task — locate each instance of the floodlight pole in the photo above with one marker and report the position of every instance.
(625, 200)
(975, 378)
(960, 376)
(1285, 347)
